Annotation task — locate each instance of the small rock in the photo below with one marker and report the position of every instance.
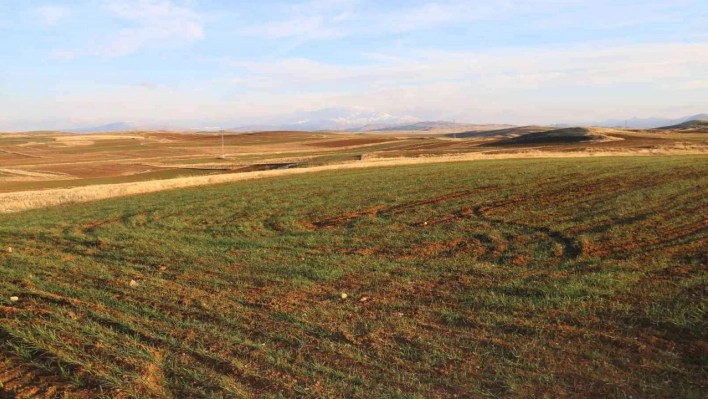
(344, 296)
(425, 223)
(364, 299)
(14, 299)
(9, 250)
(133, 283)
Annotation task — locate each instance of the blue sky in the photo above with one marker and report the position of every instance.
(68, 63)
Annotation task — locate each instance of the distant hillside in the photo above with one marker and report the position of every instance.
(123, 127)
(256, 128)
(424, 126)
(420, 126)
(111, 127)
(699, 125)
(559, 136)
(646, 123)
(384, 123)
(512, 131)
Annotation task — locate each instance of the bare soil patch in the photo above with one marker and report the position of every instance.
(349, 142)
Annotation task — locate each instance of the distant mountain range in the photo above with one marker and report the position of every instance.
(353, 120)
(427, 126)
(122, 127)
(418, 126)
(338, 119)
(645, 123)
(309, 125)
(362, 120)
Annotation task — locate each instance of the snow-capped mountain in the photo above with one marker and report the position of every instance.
(344, 119)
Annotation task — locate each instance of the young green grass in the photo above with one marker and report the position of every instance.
(516, 278)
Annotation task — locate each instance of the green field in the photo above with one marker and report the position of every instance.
(583, 278)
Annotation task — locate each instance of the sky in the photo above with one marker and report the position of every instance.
(195, 63)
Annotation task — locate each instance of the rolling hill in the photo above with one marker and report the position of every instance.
(507, 132)
(693, 126)
(646, 123)
(559, 136)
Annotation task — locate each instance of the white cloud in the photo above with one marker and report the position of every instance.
(334, 19)
(64, 55)
(464, 101)
(309, 20)
(315, 19)
(303, 28)
(690, 85)
(155, 22)
(511, 69)
(330, 19)
(520, 85)
(435, 14)
(51, 15)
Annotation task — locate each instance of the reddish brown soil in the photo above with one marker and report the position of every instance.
(97, 170)
(348, 142)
